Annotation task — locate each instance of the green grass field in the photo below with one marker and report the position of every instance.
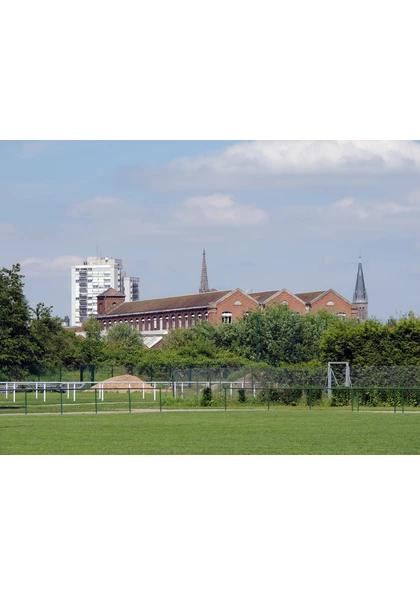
(280, 431)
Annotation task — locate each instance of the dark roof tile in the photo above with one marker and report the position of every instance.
(309, 297)
(262, 297)
(111, 293)
(201, 300)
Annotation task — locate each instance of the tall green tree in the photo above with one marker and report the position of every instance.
(52, 343)
(16, 349)
(373, 344)
(277, 335)
(124, 345)
(92, 348)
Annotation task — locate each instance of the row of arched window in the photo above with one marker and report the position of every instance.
(160, 322)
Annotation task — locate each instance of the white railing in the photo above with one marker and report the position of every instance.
(41, 389)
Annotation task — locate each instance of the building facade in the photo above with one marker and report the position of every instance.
(93, 277)
(217, 307)
(221, 307)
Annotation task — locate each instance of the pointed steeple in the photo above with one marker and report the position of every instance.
(360, 293)
(360, 296)
(204, 285)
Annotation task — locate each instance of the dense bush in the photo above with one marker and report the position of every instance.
(284, 396)
(341, 397)
(206, 396)
(241, 395)
(313, 396)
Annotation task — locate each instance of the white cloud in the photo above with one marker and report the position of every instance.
(47, 267)
(309, 156)
(121, 218)
(274, 163)
(220, 210)
(347, 217)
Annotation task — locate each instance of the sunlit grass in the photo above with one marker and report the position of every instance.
(280, 431)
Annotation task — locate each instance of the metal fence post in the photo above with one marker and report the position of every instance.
(225, 398)
(160, 399)
(129, 400)
(395, 401)
(268, 398)
(96, 400)
(352, 400)
(61, 401)
(402, 399)
(26, 402)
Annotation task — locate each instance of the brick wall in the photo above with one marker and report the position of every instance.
(293, 302)
(340, 304)
(237, 304)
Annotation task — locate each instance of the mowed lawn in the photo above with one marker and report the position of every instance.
(281, 431)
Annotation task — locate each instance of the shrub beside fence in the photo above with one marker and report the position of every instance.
(226, 387)
(285, 376)
(60, 398)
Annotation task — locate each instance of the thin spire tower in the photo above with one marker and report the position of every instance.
(360, 296)
(204, 285)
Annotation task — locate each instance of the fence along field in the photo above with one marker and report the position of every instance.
(215, 388)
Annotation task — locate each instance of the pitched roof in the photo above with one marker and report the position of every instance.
(309, 297)
(266, 296)
(262, 297)
(330, 291)
(200, 300)
(111, 293)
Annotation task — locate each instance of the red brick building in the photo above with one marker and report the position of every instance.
(216, 307)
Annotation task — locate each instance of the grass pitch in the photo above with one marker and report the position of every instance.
(279, 431)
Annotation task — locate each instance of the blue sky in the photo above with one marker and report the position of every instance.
(270, 214)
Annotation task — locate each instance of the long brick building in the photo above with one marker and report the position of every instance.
(218, 307)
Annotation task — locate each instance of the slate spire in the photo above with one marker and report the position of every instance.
(360, 296)
(204, 285)
(360, 293)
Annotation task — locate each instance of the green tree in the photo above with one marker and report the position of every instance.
(374, 344)
(277, 335)
(92, 348)
(124, 345)
(51, 342)
(16, 349)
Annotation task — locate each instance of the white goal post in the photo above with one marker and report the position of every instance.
(332, 376)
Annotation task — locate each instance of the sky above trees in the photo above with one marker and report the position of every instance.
(270, 214)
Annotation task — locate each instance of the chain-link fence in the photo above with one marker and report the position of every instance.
(64, 389)
(115, 397)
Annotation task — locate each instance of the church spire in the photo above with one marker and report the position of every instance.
(360, 296)
(204, 285)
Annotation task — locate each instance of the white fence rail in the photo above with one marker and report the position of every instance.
(8, 390)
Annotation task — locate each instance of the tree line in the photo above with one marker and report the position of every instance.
(34, 337)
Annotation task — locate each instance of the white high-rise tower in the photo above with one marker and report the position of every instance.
(93, 277)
